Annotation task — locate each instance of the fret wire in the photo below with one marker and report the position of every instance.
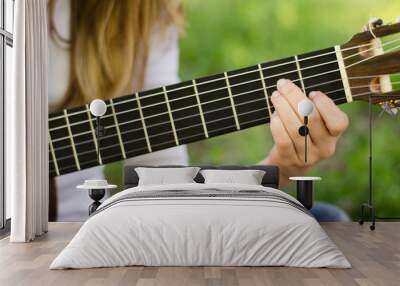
(146, 135)
(232, 102)
(226, 127)
(220, 88)
(161, 113)
(239, 74)
(306, 77)
(195, 125)
(134, 120)
(53, 154)
(343, 74)
(208, 91)
(117, 129)
(325, 92)
(180, 129)
(96, 144)
(282, 64)
(239, 94)
(332, 91)
(243, 103)
(72, 140)
(265, 88)
(183, 138)
(320, 74)
(235, 75)
(183, 97)
(190, 136)
(200, 108)
(216, 130)
(300, 75)
(212, 121)
(182, 118)
(170, 116)
(334, 100)
(263, 78)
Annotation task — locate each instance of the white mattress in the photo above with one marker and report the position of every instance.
(200, 231)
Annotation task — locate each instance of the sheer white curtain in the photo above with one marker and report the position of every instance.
(26, 120)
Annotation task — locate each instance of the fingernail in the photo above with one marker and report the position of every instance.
(312, 94)
(281, 84)
(275, 94)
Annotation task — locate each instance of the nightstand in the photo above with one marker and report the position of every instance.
(305, 192)
(96, 190)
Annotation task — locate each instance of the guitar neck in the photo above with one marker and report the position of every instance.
(189, 111)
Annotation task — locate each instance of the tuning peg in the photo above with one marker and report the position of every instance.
(375, 22)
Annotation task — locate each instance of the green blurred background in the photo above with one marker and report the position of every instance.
(228, 34)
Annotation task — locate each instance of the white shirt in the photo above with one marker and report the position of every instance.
(161, 69)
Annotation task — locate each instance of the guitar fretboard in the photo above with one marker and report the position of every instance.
(186, 112)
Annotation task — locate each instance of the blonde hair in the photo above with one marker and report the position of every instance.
(109, 44)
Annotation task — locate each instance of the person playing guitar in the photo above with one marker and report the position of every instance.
(105, 49)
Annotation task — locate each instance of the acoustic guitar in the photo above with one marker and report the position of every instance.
(194, 110)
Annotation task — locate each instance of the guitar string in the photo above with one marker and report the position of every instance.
(174, 110)
(218, 79)
(134, 151)
(159, 114)
(186, 107)
(239, 74)
(260, 109)
(195, 125)
(256, 70)
(371, 76)
(163, 113)
(186, 117)
(269, 67)
(192, 95)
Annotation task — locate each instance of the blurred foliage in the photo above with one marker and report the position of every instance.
(228, 34)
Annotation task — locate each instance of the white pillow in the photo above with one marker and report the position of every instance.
(163, 176)
(247, 177)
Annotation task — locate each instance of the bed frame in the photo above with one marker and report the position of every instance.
(270, 179)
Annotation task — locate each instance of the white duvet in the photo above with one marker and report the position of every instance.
(200, 231)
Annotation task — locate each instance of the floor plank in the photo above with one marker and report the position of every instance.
(375, 257)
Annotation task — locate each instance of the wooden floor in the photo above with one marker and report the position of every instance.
(375, 257)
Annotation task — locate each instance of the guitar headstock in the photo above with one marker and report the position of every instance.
(372, 60)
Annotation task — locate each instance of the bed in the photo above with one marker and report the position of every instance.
(201, 224)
